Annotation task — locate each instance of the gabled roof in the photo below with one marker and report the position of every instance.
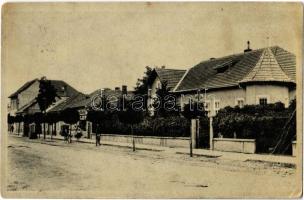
(206, 75)
(70, 102)
(109, 94)
(170, 76)
(62, 88)
(22, 88)
(82, 101)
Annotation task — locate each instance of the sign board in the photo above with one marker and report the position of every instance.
(83, 114)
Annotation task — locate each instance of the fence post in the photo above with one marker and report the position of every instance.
(211, 133)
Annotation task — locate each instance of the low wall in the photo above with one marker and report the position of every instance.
(148, 140)
(234, 145)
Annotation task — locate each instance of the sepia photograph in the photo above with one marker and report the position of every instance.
(151, 100)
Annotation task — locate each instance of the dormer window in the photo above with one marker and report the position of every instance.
(223, 66)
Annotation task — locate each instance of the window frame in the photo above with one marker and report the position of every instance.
(258, 97)
(239, 99)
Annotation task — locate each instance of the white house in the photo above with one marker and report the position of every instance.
(261, 76)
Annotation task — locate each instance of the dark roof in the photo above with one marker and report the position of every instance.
(58, 84)
(170, 76)
(107, 93)
(81, 100)
(26, 106)
(70, 102)
(22, 88)
(206, 74)
(61, 85)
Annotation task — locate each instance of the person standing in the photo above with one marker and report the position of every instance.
(12, 128)
(98, 135)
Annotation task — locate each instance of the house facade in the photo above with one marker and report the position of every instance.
(23, 101)
(162, 77)
(83, 103)
(261, 76)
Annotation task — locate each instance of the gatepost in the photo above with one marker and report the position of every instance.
(211, 114)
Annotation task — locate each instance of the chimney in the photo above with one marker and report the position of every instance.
(117, 88)
(64, 90)
(248, 47)
(124, 89)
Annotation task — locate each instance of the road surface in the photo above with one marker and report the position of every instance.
(56, 169)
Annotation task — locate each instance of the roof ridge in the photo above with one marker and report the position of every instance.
(180, 81)
(278, 62)
(237, 54)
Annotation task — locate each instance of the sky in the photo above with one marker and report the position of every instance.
(98, 45)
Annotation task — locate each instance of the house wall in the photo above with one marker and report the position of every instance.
(155, 85)
(225, 97)
(292, 93)
(29, 94)
(13, 105)
(274, 93)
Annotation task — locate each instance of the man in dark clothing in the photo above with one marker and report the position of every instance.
(98, 135)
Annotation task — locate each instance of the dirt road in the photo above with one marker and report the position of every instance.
(56, 169)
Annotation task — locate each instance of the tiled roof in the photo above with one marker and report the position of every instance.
(107, 93)
(206, 74)
(70, 102)
(266, 69)
(170, 76)
(61, 85)
(81, 100)
(62, 88)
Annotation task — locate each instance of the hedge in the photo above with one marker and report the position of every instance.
(265, 123)
(171, 126)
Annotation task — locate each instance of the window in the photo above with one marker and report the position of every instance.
(263, 101)
(207, 105)
(239, 102)
(216, 106)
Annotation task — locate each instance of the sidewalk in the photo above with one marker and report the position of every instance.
(286, 160)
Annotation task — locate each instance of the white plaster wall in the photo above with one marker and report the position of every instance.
(226, 97)
(274, 93)
(29, 94)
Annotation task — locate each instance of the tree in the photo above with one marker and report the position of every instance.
(52, 118)
(193, 110)
(142, 84)
(70, 116)
(99, 117)
(46, 96)
(165, 103)
(131, 115)
(36, 118)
